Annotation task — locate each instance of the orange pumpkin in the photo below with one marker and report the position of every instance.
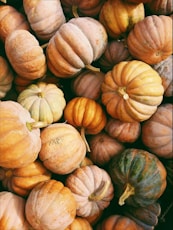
(79, 223)
(132, 91)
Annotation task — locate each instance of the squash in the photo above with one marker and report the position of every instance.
(103, 148)
(11, 19)
(44, 25)
(76, 44)
(157, 132)
(44, 101)
(63, 149)
(125, 132)
(79, 223)
(160, 7)
(21, 83)
(12, 215)
(139, 177)
(92, 189)
(132, 91)
(147, 41)
(25, 54)
(22, 180)
(119, 17)
(6, 77)
(50, 205)
(20, 141)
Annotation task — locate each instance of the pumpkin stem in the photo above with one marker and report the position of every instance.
(100, 193)
(122, 92)
(129, 190)
(44, 45)
(74, 11)
(92, 68)
(82, 132)
(36, 125)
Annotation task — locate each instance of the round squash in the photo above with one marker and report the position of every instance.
(139, 177)
(132, 91)
(21, 83)
(63, 148)
(160, 7)
(147, 41)
(44, 101)
(76, 44)
(20, 141)
(25, 54)
(79, 223)
(44, 25)
(157, 132)
(50, 206)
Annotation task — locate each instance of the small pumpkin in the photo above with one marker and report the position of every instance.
(44, 101)
(157, 131)
(44, 25)
(152, 46)
(132, 91)
(92, 189)
(25, 54)
(22, 180)
(139, 177)
(79, 223)
(20, 141)
(6, 77)
(50, 205)
(160, 7)
(63, 148)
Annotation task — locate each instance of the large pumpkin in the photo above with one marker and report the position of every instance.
(139, 177)
(20, 142)
(132, 91)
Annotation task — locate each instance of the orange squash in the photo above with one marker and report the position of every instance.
(79, 223)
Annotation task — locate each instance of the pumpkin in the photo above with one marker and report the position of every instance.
(21, 83)
(11, 19)
(44, 101)
(125, 132)
(160, 7)
(151, 46)
(164, 68)
(6, 77)
(20, 141)
(92, 189)
(63, 148)
(25, 54)
(79, 223)
(88, 84)
(139, 177)
(132, 91)
(157, 132)
(138, 1)
(22, 180)
(119, 17)
(117, 222)
(44, 25)
(50, 205)
(12, 215)
(103, 148)
(74, 46)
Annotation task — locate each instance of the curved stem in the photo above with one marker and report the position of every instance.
(44, 45)
(100, 193)
(74, 11)
(92, 68)
(82, 132)
(122, 92)
(129, 190)
(36, 125)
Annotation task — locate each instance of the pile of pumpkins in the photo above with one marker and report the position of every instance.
(86, 109)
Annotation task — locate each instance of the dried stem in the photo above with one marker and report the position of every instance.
(100, 193)
(129, 190)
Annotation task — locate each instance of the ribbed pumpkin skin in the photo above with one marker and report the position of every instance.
(131, 91)
(150, 40)
(79, 223)
(143, 171)
(160, 7)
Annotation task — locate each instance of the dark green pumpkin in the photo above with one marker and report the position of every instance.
(139, 177)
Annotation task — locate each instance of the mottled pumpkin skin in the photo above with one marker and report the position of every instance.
(143, 171)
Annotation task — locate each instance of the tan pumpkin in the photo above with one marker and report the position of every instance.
(119, 17)
(92, 189)
(152, 46)
(20, 142)
(74, 46)
(103, 147)
(12, 214)
(6, 77)
(44, 25)
(25, 54)
(11, 19)
(132, 91)
(125, 132)
(160, 7)
(44, 101)
(157, 132)
(22, 180)
(79, 223)
(51, 206)
(63, 149)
